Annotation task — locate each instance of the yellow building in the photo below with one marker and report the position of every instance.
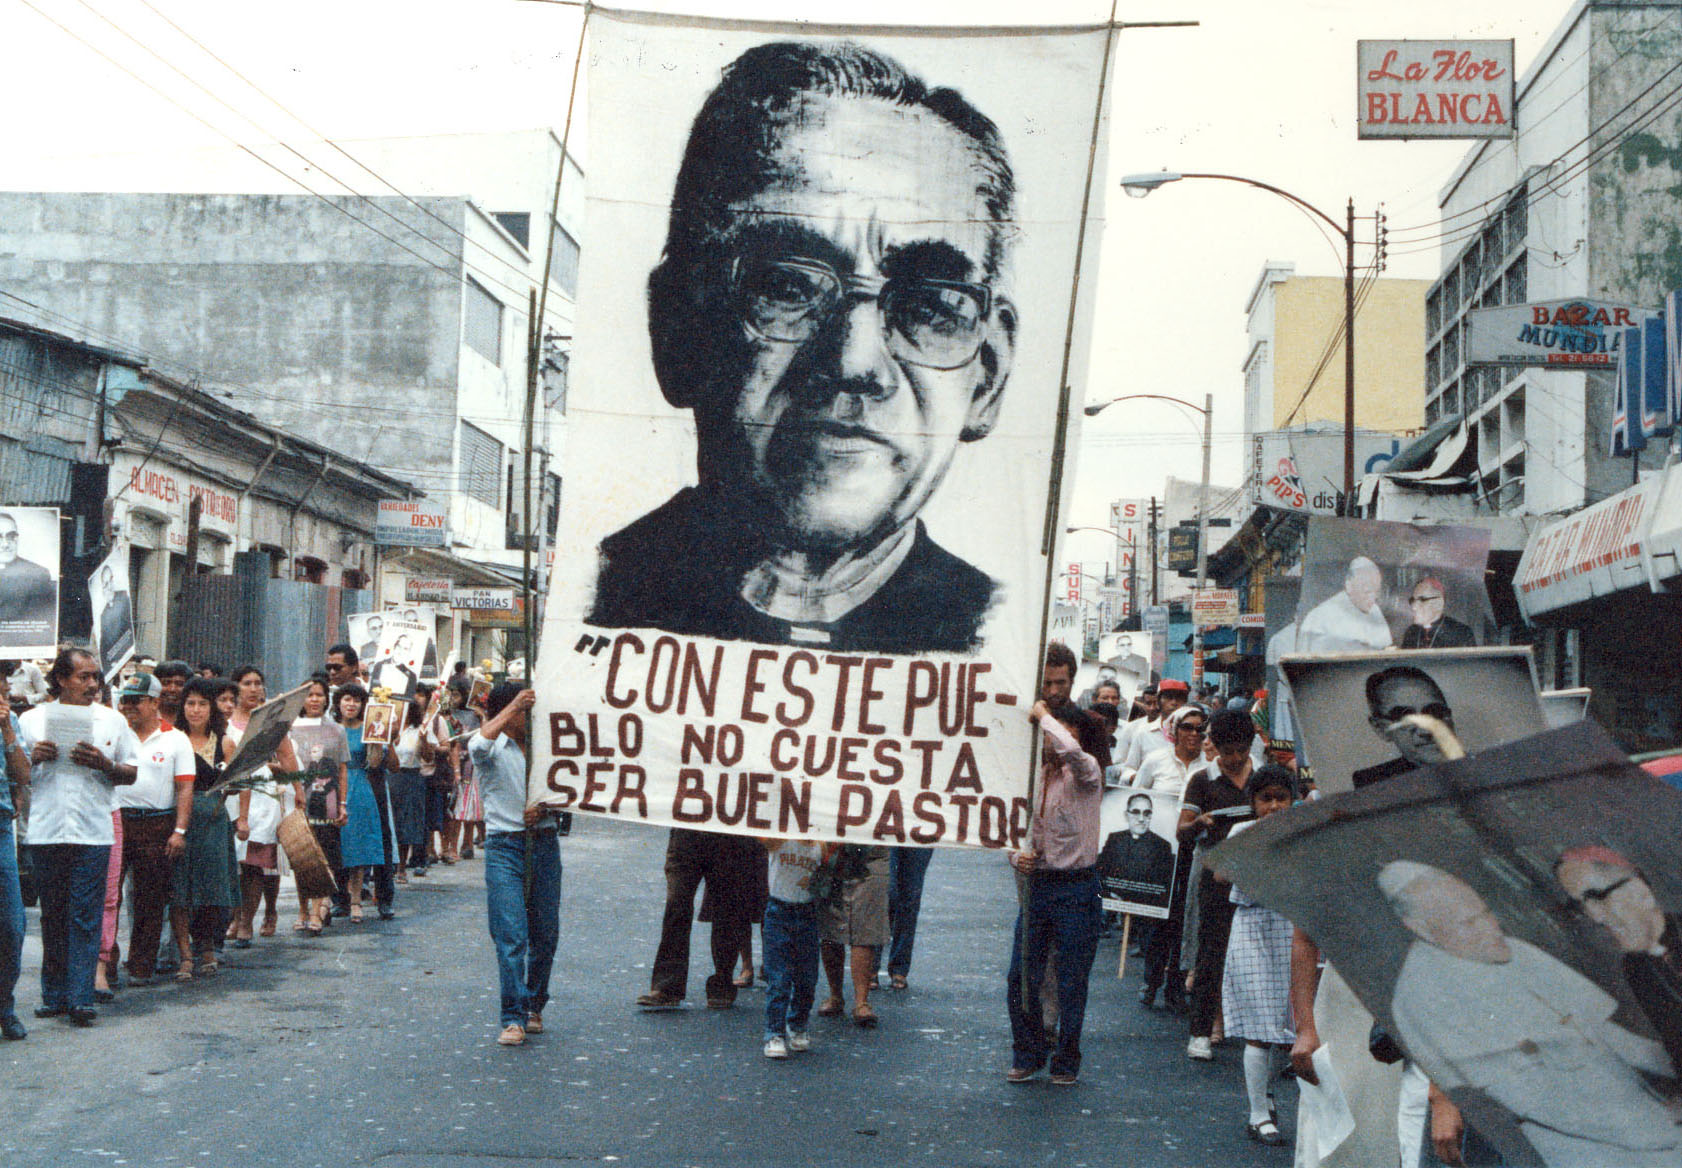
(1293, 371)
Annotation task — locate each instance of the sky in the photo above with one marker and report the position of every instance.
(1260, 90)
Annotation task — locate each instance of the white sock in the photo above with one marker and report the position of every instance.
(1258, 1067)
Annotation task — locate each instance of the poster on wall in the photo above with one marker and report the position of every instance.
(1369, 585)
(29, 581)
(113, 611)
(831, 322)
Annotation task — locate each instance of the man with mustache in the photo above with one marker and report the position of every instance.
(832, 304)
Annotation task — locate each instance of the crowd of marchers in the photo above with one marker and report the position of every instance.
(148, 864)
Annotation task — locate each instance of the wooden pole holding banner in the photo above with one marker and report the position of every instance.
(1126, 933)
(1059, 454)
(539, 301)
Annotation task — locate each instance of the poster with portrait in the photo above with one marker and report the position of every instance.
(1367, 585)
(28, 581)
(1514, 920)
(1138, 849)
(399, 659)
(426, 616)
(382, 723)
(362, 633)
(264, 733)
(113, 611)
(825, 297)
(1352, 709)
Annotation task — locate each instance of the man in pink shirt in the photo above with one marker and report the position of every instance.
(1061, 911)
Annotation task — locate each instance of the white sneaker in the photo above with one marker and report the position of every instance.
(1199, 1048)
(776, 1048)
(800, 1040)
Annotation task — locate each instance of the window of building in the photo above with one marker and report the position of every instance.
(482, 325)
(563, 261)
(480, 466)
(309, 570)
(516, 223)
(355, 578)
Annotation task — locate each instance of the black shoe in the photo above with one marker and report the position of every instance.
(386, 914)
(1176, 1002)
(11, 1029)
(1147, 997)
(83, 1015)
(50, 1011)
(339, 910)
(104, 996)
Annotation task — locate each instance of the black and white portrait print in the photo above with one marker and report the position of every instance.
(29, 581)
(815, 390)
(1136, 859)
(1366, 718)
(113, 611)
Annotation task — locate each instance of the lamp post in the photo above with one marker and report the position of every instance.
(1140, 185)
(1208, 412)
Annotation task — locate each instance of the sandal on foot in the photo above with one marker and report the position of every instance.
(864, 1017)
(831, 1008)
(743, 980)
(1265, 1132)
(268, 928)
(897, 981)
(185, 973)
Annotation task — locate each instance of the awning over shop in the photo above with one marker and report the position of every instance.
(1604, 548)
(1219, 638)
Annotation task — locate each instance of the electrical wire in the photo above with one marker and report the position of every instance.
(519, 293)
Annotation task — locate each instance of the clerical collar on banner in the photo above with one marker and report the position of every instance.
(801, 600)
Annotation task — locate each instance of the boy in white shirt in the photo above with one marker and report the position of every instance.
(790, 937)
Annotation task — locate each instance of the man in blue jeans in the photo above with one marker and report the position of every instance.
(11, 896)
(520, 842)
(907, 870)
(1061, 910)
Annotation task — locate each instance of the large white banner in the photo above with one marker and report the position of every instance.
(823, 306)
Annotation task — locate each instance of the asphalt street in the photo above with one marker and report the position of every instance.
(374, 1045)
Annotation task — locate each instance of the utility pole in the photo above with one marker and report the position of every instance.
(1154, 600)
(1202, 547)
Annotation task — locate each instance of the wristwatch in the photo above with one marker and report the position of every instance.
(179, 831)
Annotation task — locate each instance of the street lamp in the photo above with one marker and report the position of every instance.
(1140, 185)
(1208, 412)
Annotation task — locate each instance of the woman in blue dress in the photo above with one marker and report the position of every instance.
(361, 845)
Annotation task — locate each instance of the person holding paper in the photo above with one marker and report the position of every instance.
(80, 752)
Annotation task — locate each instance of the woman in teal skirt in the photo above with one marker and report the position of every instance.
(361, 845)
(204, 888)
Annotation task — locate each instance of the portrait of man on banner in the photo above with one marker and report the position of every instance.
(1140, 843)
(1508, 917)
(1369, 585)
(113, 611)
(833, 304)
(825, 297)
(29, 551)
(1357, 718)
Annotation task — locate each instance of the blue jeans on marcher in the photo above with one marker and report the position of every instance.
(71, 880)
(789, 936)
(907, 868)
(11, 919)
(524, 929)
(1063, 912)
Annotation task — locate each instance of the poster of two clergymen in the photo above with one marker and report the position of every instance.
(828, 313)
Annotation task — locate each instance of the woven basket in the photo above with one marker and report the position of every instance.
(309, 862)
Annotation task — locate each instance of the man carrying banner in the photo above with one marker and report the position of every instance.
(832, 304)
(522, 864)
(1062, 910)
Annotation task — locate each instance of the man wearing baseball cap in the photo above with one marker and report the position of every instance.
(155, 809)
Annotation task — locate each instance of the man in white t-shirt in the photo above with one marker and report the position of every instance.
(156, 808)
(81, 752)
(791, 941)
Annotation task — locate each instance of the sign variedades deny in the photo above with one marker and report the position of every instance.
(411, 523)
